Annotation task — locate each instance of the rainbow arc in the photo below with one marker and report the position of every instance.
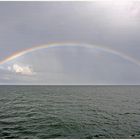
(105, 49)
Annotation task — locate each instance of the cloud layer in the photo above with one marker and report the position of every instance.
(115, 24)
(70, 65)
(24, 70)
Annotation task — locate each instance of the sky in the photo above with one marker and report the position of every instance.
(90, 43)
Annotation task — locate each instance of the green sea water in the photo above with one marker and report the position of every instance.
(69, 112)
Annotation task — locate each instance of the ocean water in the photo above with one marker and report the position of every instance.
(69, 112)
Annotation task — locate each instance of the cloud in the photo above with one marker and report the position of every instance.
(19, 69)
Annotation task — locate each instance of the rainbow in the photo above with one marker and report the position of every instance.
(105, 49)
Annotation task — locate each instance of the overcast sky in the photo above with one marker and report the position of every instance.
(107, 24)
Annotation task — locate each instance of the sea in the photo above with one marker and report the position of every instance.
(70, 112)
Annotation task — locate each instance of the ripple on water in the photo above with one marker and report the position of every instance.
(68, 112)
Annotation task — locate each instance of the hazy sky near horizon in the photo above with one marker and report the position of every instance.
(108, 24)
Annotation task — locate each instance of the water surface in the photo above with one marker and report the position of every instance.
(69, 111)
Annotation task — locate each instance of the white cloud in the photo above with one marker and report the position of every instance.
(20, 69)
